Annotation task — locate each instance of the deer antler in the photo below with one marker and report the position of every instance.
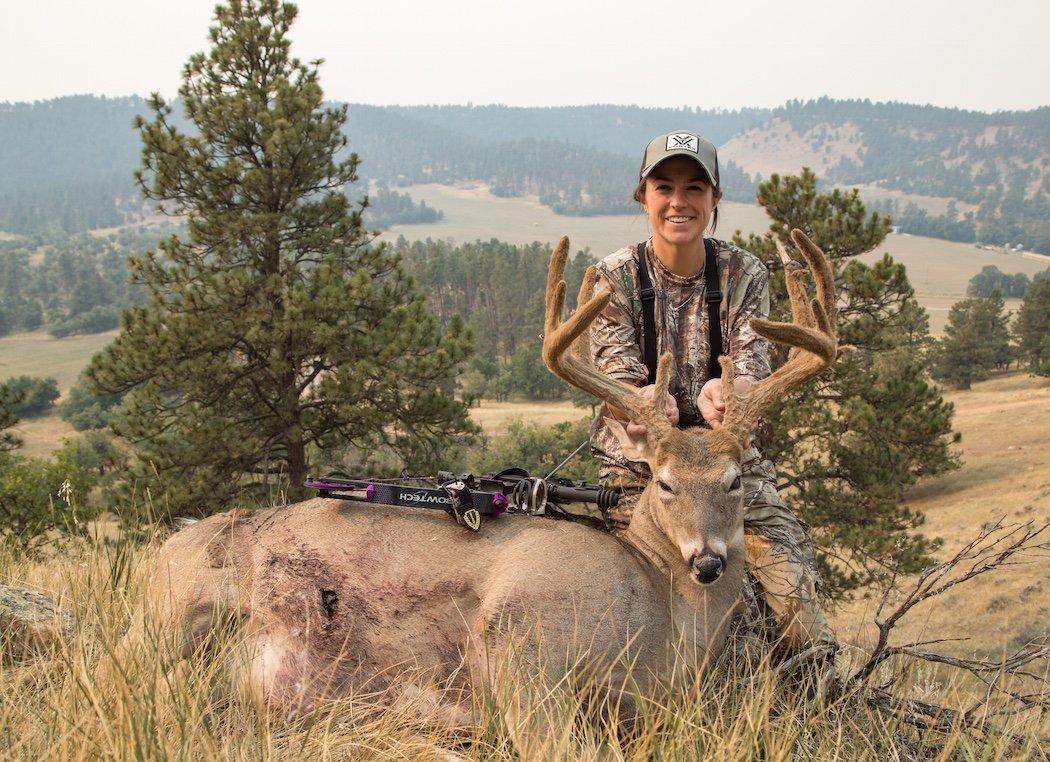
(812, 334)
(576, 366)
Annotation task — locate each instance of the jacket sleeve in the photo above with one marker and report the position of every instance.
(749, 350)
(614, 340)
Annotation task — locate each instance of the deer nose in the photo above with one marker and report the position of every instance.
(708, 568)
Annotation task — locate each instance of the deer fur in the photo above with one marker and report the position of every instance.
(333, 597)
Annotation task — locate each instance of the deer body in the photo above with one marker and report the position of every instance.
(337, 598)
(334, 597)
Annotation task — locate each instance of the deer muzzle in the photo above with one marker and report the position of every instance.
(707, 567)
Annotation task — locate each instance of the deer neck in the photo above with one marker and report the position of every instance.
(716, 601)
(651, 540)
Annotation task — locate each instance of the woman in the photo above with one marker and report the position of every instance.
(678, 188)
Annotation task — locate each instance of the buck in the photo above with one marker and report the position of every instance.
(335, 598)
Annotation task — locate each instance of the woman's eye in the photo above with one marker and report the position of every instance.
(735, 485)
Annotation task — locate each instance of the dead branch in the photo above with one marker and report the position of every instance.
(995, 547)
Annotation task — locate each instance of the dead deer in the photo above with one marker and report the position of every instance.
(335, 598)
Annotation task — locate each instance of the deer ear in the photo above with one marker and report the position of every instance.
(635, 447)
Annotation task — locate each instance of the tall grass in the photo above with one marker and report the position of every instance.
(82, 702)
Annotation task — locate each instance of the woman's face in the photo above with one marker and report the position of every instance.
(679, 201)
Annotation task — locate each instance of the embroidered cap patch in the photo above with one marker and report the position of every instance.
(679, 140)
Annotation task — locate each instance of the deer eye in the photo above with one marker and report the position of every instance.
(735, 485)
(664, 485)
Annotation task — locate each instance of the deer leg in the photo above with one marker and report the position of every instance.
(510, 677)
(191, 596)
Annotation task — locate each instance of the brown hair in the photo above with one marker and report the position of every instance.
(639, 197)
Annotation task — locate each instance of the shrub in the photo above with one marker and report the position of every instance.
(537, 449)
(104, 317)
(83, 409)
(40, 500)
(34, 396)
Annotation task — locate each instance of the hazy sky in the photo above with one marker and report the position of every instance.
(968, 53)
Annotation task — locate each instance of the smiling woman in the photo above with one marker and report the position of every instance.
(695, 298)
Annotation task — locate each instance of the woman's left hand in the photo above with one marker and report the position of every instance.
(711, 403)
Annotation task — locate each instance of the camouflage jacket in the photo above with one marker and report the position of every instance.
(681, 318)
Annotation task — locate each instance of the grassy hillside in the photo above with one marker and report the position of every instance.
(74, 706)
(1005, 424)
(939, 270)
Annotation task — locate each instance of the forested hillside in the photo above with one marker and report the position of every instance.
(70, 284)
(999, 164)
(68, 162)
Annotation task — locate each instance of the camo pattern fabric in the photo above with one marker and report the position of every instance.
(680, 311)
(781, 563)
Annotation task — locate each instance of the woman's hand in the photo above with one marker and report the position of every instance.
(670, 409)
(711, 403)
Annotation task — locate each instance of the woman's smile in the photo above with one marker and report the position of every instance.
(680, 202)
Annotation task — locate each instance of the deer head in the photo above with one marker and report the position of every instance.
(695, 497)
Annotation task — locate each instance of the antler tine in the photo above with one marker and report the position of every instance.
(583, 343)
(576, 368)
(796, 288)
(822, 274)
(812, 336)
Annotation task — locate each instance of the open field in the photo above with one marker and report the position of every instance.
(493, 416)
(939, 270)
(40, 354)
(933, 204)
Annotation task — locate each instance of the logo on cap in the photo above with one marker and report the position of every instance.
(679, 140)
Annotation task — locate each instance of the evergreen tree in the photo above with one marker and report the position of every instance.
(976, 341)
(9, 398)
(848, 447)
(274, 330)
(1032, 328)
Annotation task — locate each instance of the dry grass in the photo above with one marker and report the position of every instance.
(145, 707)
(42, 436)
(1005, 423)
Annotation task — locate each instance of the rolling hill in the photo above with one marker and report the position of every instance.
(69, 161)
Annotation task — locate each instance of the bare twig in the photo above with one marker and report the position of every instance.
(993, 548)
(996, 547)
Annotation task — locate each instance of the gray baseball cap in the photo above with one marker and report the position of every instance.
(681, 143)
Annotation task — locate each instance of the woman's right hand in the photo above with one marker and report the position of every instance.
(670, 409)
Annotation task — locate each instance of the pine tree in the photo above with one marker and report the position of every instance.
(275, 329)
(847, 447)
(9, 399)
(1032, 328)
(976, 341)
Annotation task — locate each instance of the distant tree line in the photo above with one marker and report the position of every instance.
(70, 284)
(991, 280)
(497, 288)
(387, 207)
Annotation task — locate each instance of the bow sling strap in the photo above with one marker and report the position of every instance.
(712, 295)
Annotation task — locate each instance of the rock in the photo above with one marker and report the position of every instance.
(29, 623)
